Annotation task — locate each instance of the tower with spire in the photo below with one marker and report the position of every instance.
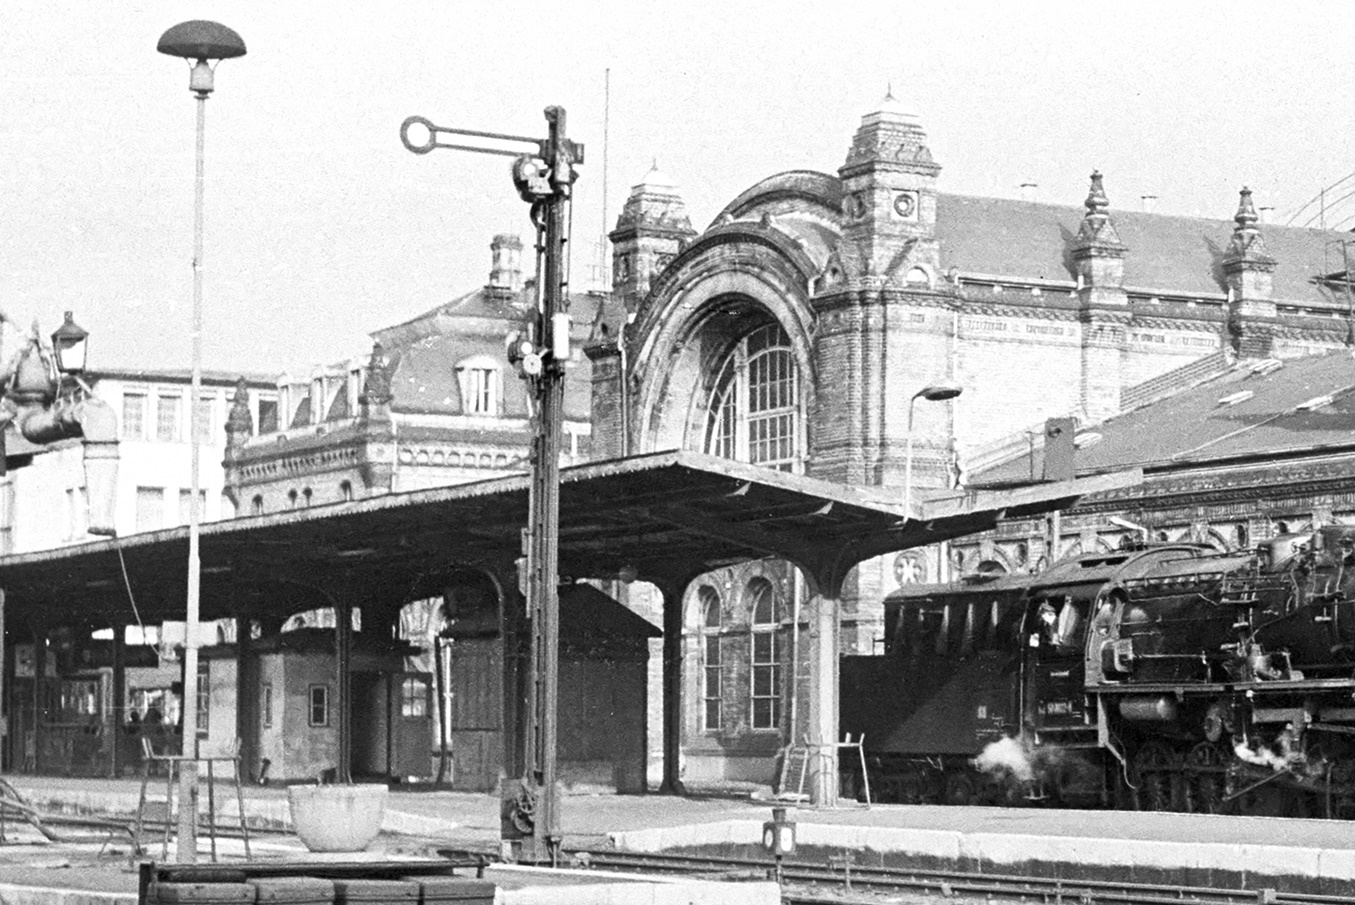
(1247, 270)
(889, 194)
(1103, 304)
(652, 229)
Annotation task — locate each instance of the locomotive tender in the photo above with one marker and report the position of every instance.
(1168, 677)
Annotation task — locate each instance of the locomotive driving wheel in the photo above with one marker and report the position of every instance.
(960, 789)
(1343, 790)
(1152, 768)
(1206, 779)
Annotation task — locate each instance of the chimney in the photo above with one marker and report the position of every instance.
(1267, 213)
(1028, 190)
(1149, 203)
(505, 272)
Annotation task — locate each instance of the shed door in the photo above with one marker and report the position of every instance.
(475, 683)
(411, 722)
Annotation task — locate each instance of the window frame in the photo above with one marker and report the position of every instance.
(202, 720)
(414, 703)
(139, 431)
(322, 689)
(170, 404)
(764, 656)
(755, 409)
(480, 382)
(712, 665)
(266, 704)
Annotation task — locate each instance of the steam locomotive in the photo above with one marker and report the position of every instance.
(1167, 677)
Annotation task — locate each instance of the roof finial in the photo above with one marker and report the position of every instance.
(889, 91)
(1097, 202)
(1246, 217)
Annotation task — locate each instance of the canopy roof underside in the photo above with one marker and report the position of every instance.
(670, 516)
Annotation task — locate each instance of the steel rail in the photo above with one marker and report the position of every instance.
(802, 877)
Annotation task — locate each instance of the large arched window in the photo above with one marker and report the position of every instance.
(754, 413)
(766, 659)
(709, 601)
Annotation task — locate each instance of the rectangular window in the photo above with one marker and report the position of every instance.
(319, 705)
(479, 390)
(167, 419)
(268, 416)
(134, 416)
(766, 680)
(206, 425)
(186, 498)
(711, 683)
(266, 703)
(79, 699)
(414, 697)
(150, 508)
(204, 699)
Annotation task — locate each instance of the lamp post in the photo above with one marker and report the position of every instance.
(544, 177)
(200, 42)
(932, 392)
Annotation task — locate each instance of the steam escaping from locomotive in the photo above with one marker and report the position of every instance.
(1006, 757)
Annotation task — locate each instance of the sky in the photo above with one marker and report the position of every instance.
(321, 227)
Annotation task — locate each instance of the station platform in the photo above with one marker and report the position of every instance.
(1313, 856)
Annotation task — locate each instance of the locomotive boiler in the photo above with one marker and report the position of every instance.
(1167, 677)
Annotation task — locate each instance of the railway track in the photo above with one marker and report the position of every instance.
(841, 881)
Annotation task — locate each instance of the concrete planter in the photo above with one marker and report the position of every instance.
(337, 818)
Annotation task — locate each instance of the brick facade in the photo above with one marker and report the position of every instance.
(881, 284)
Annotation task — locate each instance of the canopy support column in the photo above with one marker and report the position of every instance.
(823, 699)
(672, 691)
(117, 718)
(343, 715)
(246, 696)
(39, 697)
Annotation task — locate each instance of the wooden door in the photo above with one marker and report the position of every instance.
(411, 725)
(475, 685)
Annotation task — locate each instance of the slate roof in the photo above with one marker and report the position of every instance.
(425, 348)
(1303, 405)
(1168, 254)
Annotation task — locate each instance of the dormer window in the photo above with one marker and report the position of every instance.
(479, 388)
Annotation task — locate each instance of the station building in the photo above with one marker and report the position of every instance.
(801, 328)
(798, 332)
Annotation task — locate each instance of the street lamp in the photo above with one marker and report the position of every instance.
(199, 42)
(932, 392)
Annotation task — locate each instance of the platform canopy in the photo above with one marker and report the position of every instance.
(668, 516)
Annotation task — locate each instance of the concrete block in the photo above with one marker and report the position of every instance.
(540, 886)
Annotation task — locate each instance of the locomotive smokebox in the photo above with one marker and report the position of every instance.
(1148, 708)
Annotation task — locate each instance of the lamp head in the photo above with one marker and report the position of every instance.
(69, 344)
(200, 40)
(939, 392)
